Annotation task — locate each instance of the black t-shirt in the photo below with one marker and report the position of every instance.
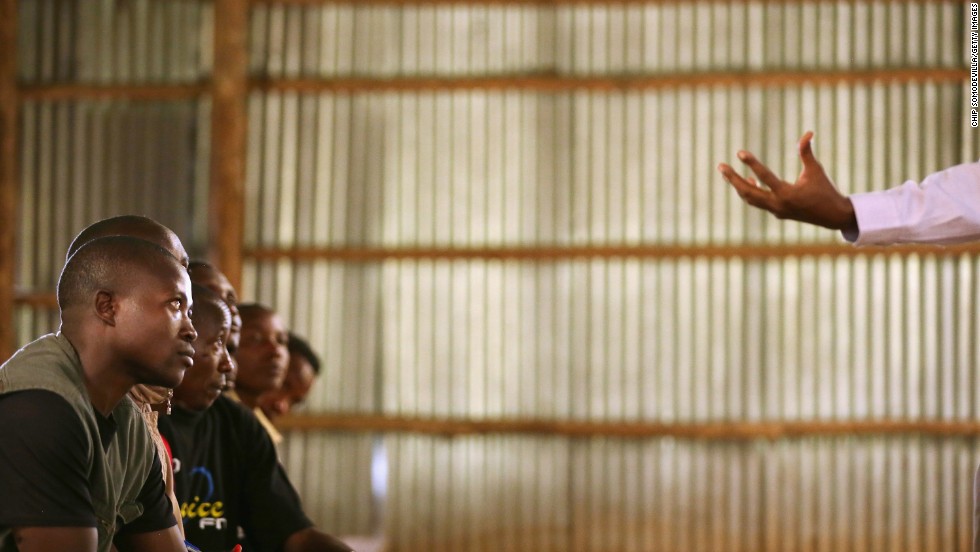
(43, 467)
(227, 476)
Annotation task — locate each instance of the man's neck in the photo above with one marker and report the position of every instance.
(105, 391)
(248, 397)
(105, 380)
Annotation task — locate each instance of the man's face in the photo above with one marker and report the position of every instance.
(295, 388)
(215, 280)
(204, 381)
(153, 327)
(262, 355)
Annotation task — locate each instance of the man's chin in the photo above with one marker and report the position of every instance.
(169, 378)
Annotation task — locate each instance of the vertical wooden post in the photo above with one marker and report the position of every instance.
(9, 186)
(229, 95)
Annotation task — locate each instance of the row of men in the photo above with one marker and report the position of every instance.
(88, 464)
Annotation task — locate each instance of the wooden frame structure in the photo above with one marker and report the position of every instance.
(707, 431)
(9, 182)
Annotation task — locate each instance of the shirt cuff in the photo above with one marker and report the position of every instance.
(878, 219)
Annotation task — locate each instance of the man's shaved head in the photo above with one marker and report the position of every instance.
(210, 277)
(111, 263)
(209, 307)
(135, 226)
(253, 310)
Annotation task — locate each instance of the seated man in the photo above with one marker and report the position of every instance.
(227, 474)
(262, 359)
(303, 368)
(78, 470)
(206, 275)
(151, 400)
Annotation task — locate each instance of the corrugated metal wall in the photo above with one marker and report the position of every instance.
(592, 339)
(86, 159)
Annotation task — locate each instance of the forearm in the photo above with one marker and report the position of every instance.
(56, 539)
(165, 540)
(312, 540)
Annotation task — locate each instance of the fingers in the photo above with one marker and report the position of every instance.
(806, 151)
(747, 189)
(765, 175)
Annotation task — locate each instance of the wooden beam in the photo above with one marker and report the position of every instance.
(710, 431)
(656, 252)
(229, 91)
(46, 300)
(9, 178)
(133, 92)
(538, 82)
(552, 83)
(541, 3)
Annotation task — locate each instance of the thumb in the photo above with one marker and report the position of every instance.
(806, 151)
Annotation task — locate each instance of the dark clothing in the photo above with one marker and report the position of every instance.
(43, 483)
(227, 477)
(64, 464)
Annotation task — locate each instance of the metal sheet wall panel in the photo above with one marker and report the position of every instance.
(88, 160)
(433, 169)
(112, 42)
(641, 340)
(430, 40)
(510, 493)
(83, 161)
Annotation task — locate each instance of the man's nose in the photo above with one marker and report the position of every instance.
(187, 331)
(281, 406)
(225, 366)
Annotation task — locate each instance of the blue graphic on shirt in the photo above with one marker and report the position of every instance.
(208, 513)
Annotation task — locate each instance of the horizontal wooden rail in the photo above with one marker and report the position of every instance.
(147, 92)
(543, 83)
(537, 2)
(550, 83)
(654, 252)
(36, 299)
(47, 299)
(736, 431)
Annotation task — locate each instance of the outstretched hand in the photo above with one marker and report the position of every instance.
(813, 198)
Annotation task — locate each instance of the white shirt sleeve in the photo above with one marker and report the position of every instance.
(943, 208)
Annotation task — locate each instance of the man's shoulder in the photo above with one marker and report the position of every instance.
(229, 406)
(235, 413)
(130, 422)
(236, 418)
(224, 415)
(49, 363)
(51, 352)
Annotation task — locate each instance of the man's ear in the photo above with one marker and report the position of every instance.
(105, 307)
